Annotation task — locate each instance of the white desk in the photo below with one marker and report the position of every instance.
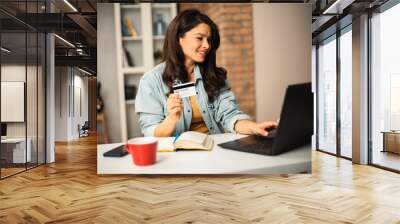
(217, 161)
(18, 153)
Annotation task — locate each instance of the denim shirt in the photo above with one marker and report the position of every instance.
(151, 105)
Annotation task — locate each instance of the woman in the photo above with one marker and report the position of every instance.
(190, 48)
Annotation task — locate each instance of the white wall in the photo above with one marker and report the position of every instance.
(17, 73)
(79, 117)
(12, 101)
(61, 103)
(85, 98)
(50, 95)
(33, 127)
(282, 48)
(107, 72)
(67, 115)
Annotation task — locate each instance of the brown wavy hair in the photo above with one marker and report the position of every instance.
(213, 77)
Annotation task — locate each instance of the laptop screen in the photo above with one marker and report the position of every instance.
(296, 122)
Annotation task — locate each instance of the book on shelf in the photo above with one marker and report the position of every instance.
(131, 27)
(189, 140)
(124, 58)
(127, 58)
(124, 29)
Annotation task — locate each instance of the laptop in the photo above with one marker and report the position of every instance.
(294, 130)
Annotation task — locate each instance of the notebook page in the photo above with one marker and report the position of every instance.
(192, 136)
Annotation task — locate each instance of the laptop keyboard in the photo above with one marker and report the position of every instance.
(251, 144)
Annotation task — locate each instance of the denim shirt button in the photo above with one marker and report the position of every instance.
(204, 111)
(188, 111)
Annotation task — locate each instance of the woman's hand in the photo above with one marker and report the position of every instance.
(174, 106)
(260, 128)
(167, 127)
(252, 128)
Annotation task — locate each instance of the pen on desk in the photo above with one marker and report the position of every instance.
(176, 137)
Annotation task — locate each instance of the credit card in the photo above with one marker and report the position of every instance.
(185, 89)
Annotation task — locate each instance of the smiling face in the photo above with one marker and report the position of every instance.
(196, 44)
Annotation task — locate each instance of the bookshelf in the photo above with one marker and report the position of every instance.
(136, 51)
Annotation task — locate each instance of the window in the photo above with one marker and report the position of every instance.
(327, 95)
(22, 67)
(346, 92)
(329, 113)
(385, 86)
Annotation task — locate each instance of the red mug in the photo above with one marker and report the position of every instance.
(143, 150)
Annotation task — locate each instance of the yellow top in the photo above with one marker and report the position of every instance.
(197, 120)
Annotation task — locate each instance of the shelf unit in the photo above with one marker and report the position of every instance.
(141, 49)
(132, 38)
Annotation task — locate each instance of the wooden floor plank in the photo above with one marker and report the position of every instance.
(70, 191)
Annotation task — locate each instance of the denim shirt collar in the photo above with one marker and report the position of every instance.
(197, 73)
(165, 89)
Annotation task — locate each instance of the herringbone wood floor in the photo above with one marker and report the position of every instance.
(70, 191)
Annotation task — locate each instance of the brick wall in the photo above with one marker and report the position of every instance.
(236, 52)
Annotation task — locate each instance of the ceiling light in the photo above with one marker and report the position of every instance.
(65, 41)
(337, 7)
(70, 5)
(80, 51)
(331, 7)
(84, 71)
(5, 49)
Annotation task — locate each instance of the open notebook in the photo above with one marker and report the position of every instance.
(187, 140)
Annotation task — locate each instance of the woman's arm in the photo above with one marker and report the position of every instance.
(234, 120)
(249, 127)
(149, 105)
(167, 126)
(227, 112)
